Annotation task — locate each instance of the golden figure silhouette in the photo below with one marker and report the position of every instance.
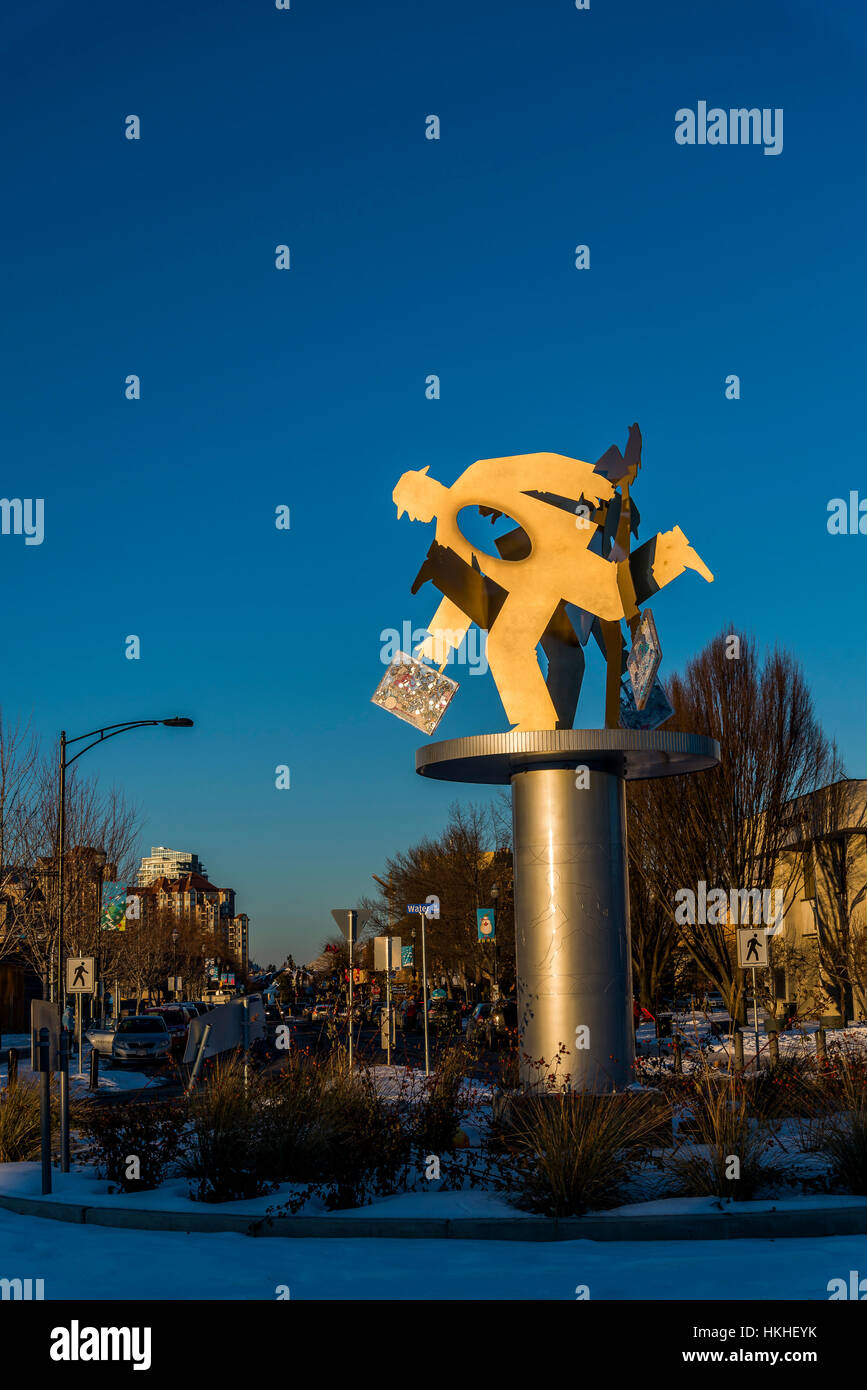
(563, 507)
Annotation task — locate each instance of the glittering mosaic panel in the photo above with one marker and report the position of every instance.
(415, 692)
(643, 661)
(656, 711)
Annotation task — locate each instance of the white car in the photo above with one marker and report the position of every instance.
(101, 1037)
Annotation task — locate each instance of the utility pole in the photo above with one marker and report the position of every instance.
(352, 916)
(424, 994)
(61, 836)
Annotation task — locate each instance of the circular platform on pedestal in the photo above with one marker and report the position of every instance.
(633, 753)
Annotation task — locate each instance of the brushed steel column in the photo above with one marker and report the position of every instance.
(572, 926)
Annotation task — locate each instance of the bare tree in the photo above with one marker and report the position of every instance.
(655, 936)
(460, 867)
(729, 827)
(18, 774)
(101, 833)
(828, 836)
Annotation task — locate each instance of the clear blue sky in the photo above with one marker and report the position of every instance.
(306, 387)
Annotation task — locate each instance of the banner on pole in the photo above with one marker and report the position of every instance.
(486, 923)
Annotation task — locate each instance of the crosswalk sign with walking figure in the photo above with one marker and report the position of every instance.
(80, 977)
(752, 947)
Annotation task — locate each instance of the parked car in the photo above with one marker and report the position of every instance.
(177, 1022)
(502, 1023)
(273, 1019)
(101, 1037)
(141, 1038)
(477, 1023)
(321, 1012)
(683, 1005)
(444, 1015)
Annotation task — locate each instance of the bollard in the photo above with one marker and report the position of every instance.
(820, 1047)
(739, 1050)
(12, 1072)
(45, 1109)
(94, 1070)
(678, 1054)
(63, 1059)
(774, 1048)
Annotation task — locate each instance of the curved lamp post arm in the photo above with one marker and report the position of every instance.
(112, 730)
(98, 736)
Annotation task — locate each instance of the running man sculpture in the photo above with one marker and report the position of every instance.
(571, 547)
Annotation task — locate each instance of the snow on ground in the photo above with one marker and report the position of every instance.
(409, 1083)
(110, 1078)
(90, 1262)
(702, 1049)
(83, 1187)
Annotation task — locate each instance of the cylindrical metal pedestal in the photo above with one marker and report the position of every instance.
(574, 968)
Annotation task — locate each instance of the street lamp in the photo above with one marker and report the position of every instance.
(495, 898)
(98, 736)
(175, 962)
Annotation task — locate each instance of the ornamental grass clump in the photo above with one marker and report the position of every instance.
(19, 1123)
(723, 1151)
(844, 1137)
(224, 1137)
(436, 1117)
(367, 1146)
(572, 1152)
(290, 1139)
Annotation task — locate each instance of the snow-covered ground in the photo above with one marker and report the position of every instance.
(698, 1039)
(110, 1078)
(90, 1262)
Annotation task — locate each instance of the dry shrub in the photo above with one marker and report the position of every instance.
(151, 1132)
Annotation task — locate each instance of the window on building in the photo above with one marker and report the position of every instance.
(809, 872)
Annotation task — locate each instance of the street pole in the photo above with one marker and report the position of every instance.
(424, 994)
(349, 1019)
(61, 829)
(79, 1009)
(98, 736)
(99, 986)
(388, 1007)
(756, 1017)
(45, 1110)
(63, 1046)
(246, 1043)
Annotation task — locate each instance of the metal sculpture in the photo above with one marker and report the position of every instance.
(565, 572)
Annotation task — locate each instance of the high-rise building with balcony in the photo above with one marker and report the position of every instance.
(168, 863)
